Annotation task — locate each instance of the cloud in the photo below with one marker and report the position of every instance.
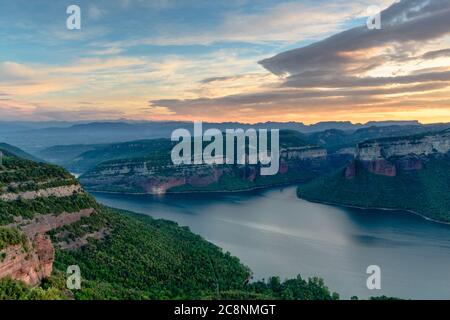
(95, 12)
(285, 22)
(406, 24)
(12, 71)
(437, 54)
(330, 81)
(402, 69)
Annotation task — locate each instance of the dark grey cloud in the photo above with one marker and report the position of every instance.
(228, 78)
(437, 54)
(215, 79)
(270, 98)
(406, 23)
(311, 80)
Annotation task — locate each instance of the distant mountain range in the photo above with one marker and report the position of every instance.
(36, 136)
(79, 158)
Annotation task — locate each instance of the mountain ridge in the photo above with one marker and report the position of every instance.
(37, 138)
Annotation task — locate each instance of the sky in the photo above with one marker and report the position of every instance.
(225, 60)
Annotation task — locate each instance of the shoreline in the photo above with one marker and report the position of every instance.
(287, 184)
(343, 205)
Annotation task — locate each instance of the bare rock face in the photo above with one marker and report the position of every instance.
(250, 173)
(303, 153)
(381, 167)
(145, 177)
(410, 163)
(404, 146)
(45, 223)
(43, 193)
(30, 255)
(387, 157)
(46, 254)
(29, 263)
(160, 186)
(350, 171)
(33, 261)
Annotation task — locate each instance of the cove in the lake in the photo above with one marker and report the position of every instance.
(275, 233)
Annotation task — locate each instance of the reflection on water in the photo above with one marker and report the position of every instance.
(275, 233)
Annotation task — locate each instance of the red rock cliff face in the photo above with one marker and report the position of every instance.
(33, 261)
(350, 170)
(410, 163)
(380, 167)
(45, 223)
(30, 263)
(387, 157)
(144, 177)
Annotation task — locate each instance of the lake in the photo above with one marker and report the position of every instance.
(275, 233)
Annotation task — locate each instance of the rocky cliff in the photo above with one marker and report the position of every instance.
(404, 173)
(29, 262)
(149, 176)
(387, 156)
(29, 209)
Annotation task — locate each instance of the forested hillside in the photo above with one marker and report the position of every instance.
(405, 173)
(49, 223)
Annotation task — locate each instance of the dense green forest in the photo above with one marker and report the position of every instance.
(11, 236)
(16, 290)
(14, 169)
(144, 258)
(424, 191)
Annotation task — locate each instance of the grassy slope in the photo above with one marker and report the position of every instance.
(425, 192)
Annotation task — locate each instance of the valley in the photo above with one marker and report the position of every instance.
(122, 255)
(274, 232)
(49, 220)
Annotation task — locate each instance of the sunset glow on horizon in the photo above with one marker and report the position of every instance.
(217, 61)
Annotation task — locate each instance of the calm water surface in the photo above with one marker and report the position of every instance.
(275, 233)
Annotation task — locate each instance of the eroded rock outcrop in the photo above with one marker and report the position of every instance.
(388, 156)
(148, 176)
(403, 146)
(42, 193)
(45, 223)
(30, 262)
